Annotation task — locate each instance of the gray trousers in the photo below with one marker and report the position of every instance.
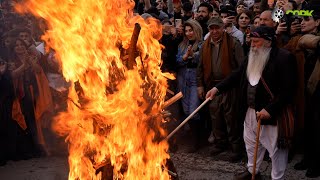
(225, 123)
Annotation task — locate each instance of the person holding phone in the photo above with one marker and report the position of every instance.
(23, 69)
(295, 27)
(228, 15)
(170, 40)
(309, 43)
(243, 23)
(187, 63)
(26, 35)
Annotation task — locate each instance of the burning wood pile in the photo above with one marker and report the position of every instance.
(113, 125)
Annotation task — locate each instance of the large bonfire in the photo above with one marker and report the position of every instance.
(115, 117)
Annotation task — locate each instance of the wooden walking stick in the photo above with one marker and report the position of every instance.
(256, 150)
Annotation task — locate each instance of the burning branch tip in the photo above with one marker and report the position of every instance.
(172, 100)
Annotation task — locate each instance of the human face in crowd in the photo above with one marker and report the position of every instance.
(215, 14)
(309, 25)
(256, 22)
(243, 21)
(166, 30)
(29, 23)
(256, 8)
(20, 48)
(217, 3)
(223, 15)
(287, 6)
(189, 33)
(196, 15)
(159, 4)
(240, 9)
(203, 13)
(25, 36)
(266, 19)
(257, 43)
(177, 7)
(216, 32)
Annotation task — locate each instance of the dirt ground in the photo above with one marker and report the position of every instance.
(193, 166)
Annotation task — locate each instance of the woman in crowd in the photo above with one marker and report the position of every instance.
(187, 62)
(256, 21)
(310, 43)
(244, 25)
(243, 20)
(23, 69)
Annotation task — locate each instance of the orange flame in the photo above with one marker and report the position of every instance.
(112, 120)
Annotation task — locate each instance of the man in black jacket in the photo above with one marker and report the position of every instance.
(278, 69)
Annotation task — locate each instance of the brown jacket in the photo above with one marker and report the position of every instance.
(231, 53)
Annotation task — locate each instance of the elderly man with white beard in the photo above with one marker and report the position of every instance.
(279, 70)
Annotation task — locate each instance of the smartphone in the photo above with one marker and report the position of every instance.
(297, 20)
(178, 22)
(248, 30)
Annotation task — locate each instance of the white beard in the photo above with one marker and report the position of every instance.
(258, 58)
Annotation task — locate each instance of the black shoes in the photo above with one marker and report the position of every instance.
(246, 175)
(234, 157)
(217, 149)
(300, 165)
(313, 173)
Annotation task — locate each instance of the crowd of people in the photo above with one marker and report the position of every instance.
(254, 67)
(231, 51)
(29, 77)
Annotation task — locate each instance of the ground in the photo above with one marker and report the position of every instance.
(197, 166)
(190, 166)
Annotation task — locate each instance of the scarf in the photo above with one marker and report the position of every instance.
(226, 53)
(299, 98)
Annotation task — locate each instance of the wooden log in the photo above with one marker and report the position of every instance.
(133, 46)
(172, 100)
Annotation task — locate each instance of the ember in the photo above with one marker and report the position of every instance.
(114, 118)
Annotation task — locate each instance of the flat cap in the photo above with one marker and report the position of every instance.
(215, 21)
